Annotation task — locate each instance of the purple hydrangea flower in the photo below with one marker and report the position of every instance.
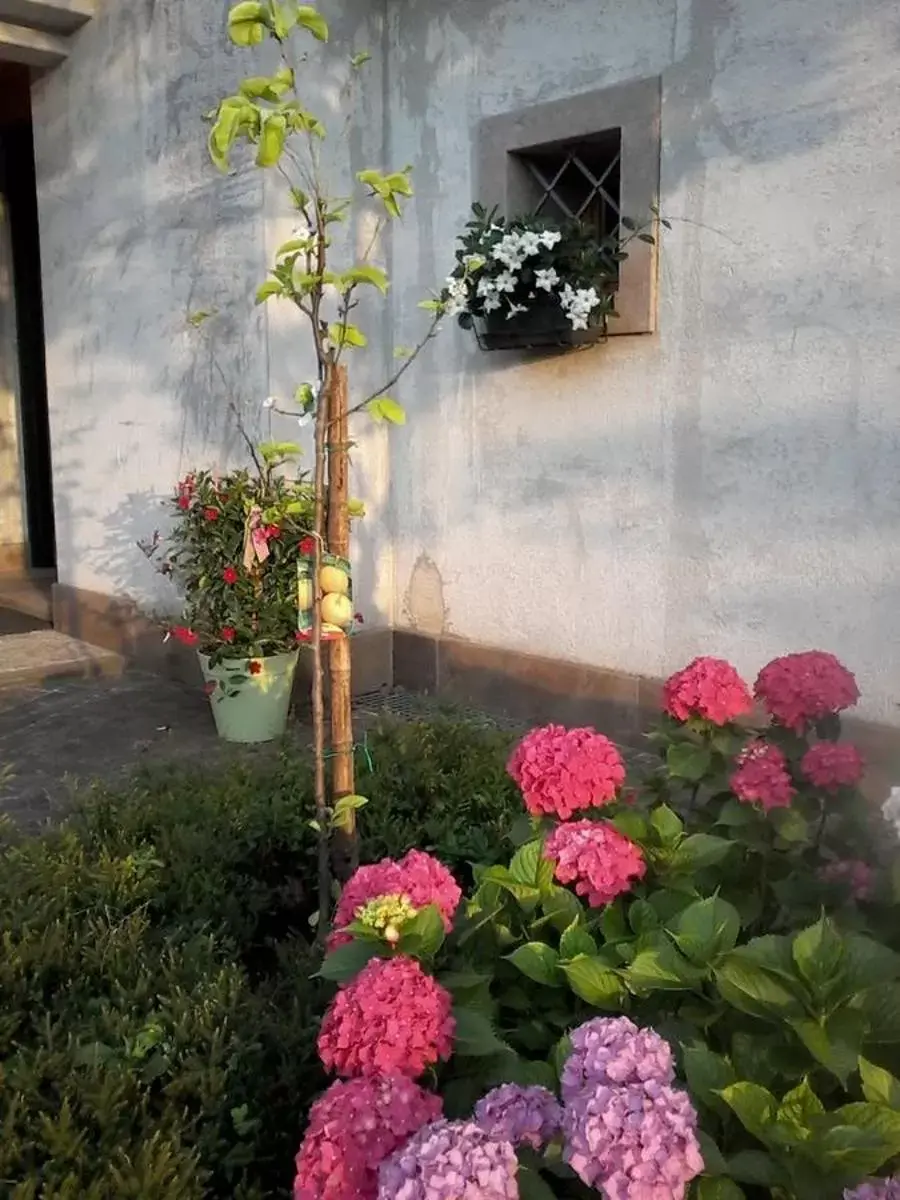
(615, 1051)
(875, 1189)
(450, 1160)
(527, 1116)
(636, 1142)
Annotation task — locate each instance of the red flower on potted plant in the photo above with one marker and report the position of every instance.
(211, 514)
(230, 575)
(227, 633)
(182, 634)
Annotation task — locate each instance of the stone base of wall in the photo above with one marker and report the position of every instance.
(525, 687)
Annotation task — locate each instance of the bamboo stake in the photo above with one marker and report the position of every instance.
(345, 845)
(318, 679)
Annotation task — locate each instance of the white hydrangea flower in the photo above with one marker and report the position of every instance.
(577, 304)
(529, 243)
(508, 251)
(547, 279)
(486, 286)
(890, 810)
(549, 238)
(491, 302)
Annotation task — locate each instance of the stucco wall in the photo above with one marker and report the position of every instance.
(730, 485)
(727, 485)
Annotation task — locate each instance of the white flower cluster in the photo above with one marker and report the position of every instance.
(890, 810)
(578, 304)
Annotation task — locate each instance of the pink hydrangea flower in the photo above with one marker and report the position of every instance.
(762, 777)
(831, 765)
(353, 1128)
(875, 1189)
(615, 1051)
(392, 1017)
(707, 687)
(451, 1160)
(561, 771)
(799, 688)
(600, 861)
(523, 1116)
(857, 876)
(418, 876)
(636, 1142)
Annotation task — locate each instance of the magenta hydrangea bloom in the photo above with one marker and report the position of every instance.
(600, 861)
(799, 688)
(392, 1017)
(856, 876)
(614, 1051)
(875, 1189)
(352, 1129)
(707, 687)
(524, 1116)
(762, 777)
(562, 771)
(420, 877)
(832, 765)
(637, 1142)
(450, 1160)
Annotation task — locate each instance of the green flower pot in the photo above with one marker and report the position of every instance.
(250, 707)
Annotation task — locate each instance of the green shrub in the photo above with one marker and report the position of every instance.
(157, 1015)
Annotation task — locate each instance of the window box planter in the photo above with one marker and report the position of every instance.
(538, 329)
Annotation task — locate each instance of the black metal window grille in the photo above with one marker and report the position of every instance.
(578, 181)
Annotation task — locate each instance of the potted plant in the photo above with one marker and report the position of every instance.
(526, 284)
(233, 554)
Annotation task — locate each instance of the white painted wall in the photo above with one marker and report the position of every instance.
(729, 485)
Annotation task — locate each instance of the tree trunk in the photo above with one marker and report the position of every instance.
(345, 851)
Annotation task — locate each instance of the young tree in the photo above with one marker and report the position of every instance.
(268, 113)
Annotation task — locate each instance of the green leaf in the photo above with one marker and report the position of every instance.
(475, 1036)
(523, 892)
(667, 824)
(347, 335)
(879, 1086)
(247, 23)
(718, 1189)
(561, 907)
(359, 60)
(643, 917)
(529, 865)
(818, 952)
(699, 851)
(799, 1110)
(345, 807)
(272, 287)
(348, 960)
(576, 940)
(713, 1159)
(385, 409)
(423, 935)
(311, 19)
(754, 1107)
(868, 963)
(661, 968)
(877, 1130)
(755, 991)
(273, 452)
(833, 1051)
(790, 825)
(706, 929)
(880, 1009)
(688, 760)
(592, 980)
(364, 274)
(707, 1074)
(755, 1166)
(539, 962)
(734, 814)
(632, 824)
(560, 1053)
(532, 1185)
(613, 923)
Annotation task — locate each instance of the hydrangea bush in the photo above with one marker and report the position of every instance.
(687, 990)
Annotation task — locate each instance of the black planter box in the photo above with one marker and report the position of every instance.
(537, 329)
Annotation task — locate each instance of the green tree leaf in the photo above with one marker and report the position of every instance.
(529, 866)
(474, 1035)
(247, 23)
(699, 851)
(311, 19)
(272, 287)
(755, 991)
(661, 967)
(383, 408)
(539, 962)
(836, 1048)
(818, 952)
(689, 760)
(561, 907)
(799, 1111)
(861, 1138)
(667, 824)
(592, 980)
(523, 892)
(879, 1086)
(364, 274)
(706, 929)
(347, 335)
(271, 140)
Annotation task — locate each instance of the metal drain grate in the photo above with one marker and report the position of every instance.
(412, 706)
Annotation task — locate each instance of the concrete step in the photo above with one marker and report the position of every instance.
(28, 593)
(44, 654)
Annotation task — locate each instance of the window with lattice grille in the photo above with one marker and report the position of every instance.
(593, 158)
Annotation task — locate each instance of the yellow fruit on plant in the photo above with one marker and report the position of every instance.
(304, 594)
(334, 579)
(337, 609)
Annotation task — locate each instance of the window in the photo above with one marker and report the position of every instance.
(593, 157)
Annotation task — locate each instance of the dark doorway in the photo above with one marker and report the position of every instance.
(18, 191)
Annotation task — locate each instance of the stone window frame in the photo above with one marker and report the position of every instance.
(635, 109)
